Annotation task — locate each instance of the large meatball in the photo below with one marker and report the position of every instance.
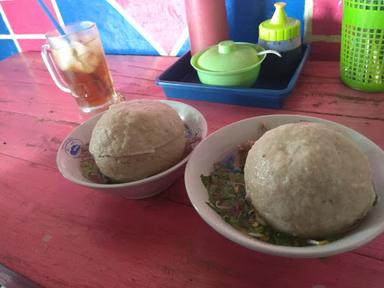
(137, 139)
(308, 180)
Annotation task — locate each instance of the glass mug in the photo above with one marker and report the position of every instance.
(77, 64)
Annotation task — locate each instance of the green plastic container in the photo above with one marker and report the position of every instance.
(229, 64)
(362, 45)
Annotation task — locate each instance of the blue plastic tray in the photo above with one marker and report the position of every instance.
(180, 81)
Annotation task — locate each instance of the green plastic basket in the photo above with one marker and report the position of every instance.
(362, 45)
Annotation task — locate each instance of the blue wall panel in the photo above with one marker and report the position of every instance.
(118, 36)
(7, 48)
(3, 28)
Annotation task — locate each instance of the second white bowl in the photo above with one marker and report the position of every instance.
(216, 146)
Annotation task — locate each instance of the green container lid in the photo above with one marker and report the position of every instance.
(228, 56)
(279, 27)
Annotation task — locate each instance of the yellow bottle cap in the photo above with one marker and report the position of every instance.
(279, 27)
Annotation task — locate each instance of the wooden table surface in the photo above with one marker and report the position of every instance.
(62, 235)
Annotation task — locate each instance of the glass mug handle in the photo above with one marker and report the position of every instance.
(48, 61)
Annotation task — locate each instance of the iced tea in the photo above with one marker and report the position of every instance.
(80, 60)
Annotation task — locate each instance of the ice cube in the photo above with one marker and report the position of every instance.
(76, 57)
(86, 58)
(64, 56)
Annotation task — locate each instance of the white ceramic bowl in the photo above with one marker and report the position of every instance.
(68, 160)
(219, 144)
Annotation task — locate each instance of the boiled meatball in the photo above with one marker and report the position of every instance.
(137, 139)
(308, 180)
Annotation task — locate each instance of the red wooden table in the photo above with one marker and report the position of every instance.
(63, 235)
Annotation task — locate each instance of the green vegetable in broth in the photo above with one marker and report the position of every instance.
(227, 197)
